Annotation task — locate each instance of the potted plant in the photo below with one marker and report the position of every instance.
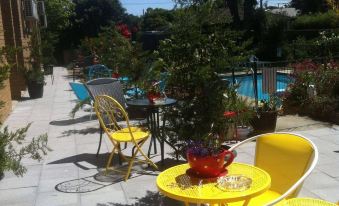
(35, 82)
(207, 157)
(34, 74)
(265, 119)
(240, 113)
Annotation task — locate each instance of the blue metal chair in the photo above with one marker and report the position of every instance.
(98, 71)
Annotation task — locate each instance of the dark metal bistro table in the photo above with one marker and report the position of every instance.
(153, 120)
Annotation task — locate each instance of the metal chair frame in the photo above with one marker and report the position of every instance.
(110, 110)
(296, 186)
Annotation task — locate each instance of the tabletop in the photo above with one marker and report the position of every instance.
(146, 103)
(305, 202)
(175, 184)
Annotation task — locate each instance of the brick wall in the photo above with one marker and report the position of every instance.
(5, 96)
(5, 92)
(15, 35)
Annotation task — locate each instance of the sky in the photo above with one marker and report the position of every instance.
(136, 7)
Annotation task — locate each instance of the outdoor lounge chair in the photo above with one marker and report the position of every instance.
(288, 158)
(113, 88)
(108, 111)
(79, 90)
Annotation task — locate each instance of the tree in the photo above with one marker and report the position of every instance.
(59, 13)
(311, 6)
(201, 45)
(91, 15)
(157, 20)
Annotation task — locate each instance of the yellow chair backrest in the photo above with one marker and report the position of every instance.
(286, 157)
(109, 112)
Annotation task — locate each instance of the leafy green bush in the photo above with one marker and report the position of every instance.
(315, 90)
(115, 51)
(317, 21)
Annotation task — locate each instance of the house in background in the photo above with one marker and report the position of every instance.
(17, 19)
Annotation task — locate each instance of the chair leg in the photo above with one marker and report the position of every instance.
(110, 160)
(99, 141)
(130, 164)
(138, 147)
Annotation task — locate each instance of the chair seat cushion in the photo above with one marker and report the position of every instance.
(124, 135)
(260, 200)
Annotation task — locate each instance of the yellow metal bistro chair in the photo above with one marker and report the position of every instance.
(288, 158)
(109, 111)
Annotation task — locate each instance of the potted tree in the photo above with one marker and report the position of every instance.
(265, 119)
(34, 74)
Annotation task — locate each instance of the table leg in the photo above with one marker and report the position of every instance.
(187, 204)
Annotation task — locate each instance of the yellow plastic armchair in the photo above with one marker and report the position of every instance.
(109, 111)
(288, 158)
(305, 202)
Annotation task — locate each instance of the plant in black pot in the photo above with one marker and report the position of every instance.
(35, 83)
(34, 74)
(265, 119)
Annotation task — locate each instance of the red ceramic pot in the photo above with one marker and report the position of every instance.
(209, 166)
(152, 96)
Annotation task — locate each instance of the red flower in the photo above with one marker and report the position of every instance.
(230, 114)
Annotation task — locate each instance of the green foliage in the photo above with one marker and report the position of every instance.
(34, 72)
(59, 14)
(326, 45)
(79, 105)
(311, 6)
(201, 44)
(116, 52)
(157, 20)
(317, 21)
(323, 100)
(10, 156)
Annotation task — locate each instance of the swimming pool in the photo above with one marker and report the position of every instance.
(246, 85)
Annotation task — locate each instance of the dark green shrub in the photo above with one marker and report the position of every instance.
(317, 21)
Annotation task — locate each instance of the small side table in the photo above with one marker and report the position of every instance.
(176, 184)
(153, 120)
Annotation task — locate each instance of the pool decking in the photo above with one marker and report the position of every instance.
(71, 173)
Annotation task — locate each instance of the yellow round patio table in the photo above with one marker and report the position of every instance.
(176, 184)
(305, 202)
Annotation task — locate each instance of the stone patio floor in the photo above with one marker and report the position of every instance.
(71, 174)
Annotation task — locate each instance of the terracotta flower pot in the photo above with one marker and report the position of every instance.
(209, 166)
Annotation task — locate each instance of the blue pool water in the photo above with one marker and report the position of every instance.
(246, 85)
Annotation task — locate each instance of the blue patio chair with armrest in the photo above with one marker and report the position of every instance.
(113, 88)
(98, 71)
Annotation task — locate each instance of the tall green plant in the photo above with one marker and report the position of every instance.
(201, 45)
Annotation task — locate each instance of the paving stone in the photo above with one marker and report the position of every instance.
(18, 197)
(57, 199)
(30, 178)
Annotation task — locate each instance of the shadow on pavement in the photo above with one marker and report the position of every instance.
(151, 199)
(65, 122)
